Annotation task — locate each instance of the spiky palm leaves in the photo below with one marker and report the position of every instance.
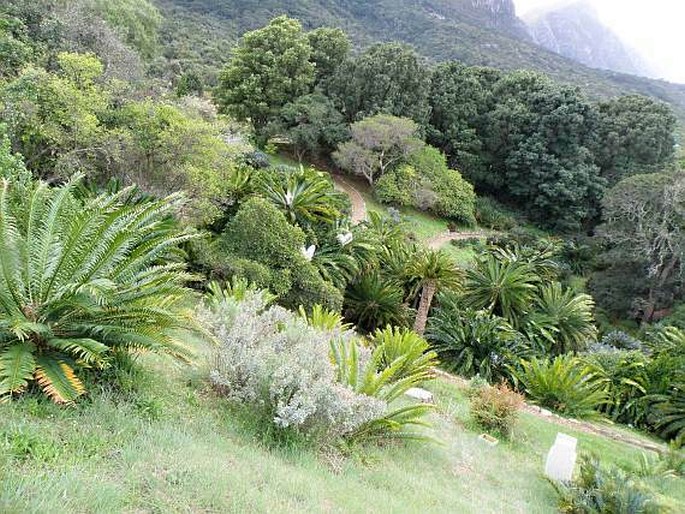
(431, 272)
(399, 361)
(503, 287)
(374, 301)
(341, 259)
(474, 342)
(81, 280)
(305, 196)
(562, 318)
(563, 384)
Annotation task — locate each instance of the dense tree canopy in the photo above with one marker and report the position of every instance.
(270, 68)
(387, 78)
(537, 147)
(635, 136)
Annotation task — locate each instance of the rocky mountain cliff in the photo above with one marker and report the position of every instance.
(576, 32)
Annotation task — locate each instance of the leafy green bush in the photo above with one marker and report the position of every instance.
(398, 187)
(599, 490)
(563, 384)
(496, 409)
(85, 280)
(492, 215)
(259, 233)
(426, 183)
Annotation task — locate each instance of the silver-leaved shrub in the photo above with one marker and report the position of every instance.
(272, 359)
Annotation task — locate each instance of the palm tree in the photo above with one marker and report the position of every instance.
(431, 272)
(304, 196)
(563, 318)
(503, 287)
(85, 280)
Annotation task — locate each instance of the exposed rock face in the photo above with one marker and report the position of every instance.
(501, 7)
(496, 14)
(576, 32)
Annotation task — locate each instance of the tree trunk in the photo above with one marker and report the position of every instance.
(427, 294)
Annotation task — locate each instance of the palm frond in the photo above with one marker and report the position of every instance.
(17, 365)
(58, 380)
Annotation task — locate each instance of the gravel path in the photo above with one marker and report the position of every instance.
(437, 242)
(357, 200)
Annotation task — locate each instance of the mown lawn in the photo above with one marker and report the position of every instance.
(171, 445)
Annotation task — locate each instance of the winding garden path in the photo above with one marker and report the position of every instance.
(358, 203)
(438, 241)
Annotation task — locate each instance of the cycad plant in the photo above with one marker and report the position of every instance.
(395, 343)
(562, 319)
(374, 301)
(563, 384)
(474, 343)
(82, 280)
(431, 272)
(304, 196)
(387, 375)
(503, 287)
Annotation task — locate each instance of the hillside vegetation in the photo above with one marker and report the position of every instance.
(236, 298)
(440, 30)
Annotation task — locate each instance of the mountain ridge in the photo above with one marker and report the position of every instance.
(476, 32)
(574, 30)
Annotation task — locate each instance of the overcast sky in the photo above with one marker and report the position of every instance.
(655, 28)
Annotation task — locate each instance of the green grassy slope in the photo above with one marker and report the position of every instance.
(173, 446)
(199, 31)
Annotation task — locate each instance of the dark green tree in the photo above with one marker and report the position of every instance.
(387, 78)
(636, 135)
(330, 49)
(459, 97)
(312, 125)
(537, 139)
(270, 67)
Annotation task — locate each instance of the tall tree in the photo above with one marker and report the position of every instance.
(636, 135)
(433, 272)
(537, 144)
(387, 78)
(644, 226)
(270, 67)
(330, 49)
(378, 143)
(459, 97)
(311, 124)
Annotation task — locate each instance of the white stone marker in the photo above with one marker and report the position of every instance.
(561, 459)
(420, 394)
